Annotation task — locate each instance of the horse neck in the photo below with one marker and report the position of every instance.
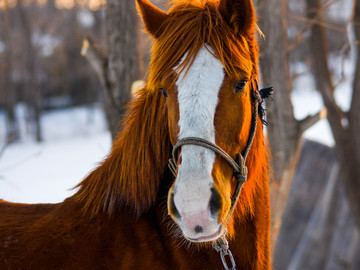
(131, 174)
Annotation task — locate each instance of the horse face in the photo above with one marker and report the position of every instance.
(203, 104)
(206, 102)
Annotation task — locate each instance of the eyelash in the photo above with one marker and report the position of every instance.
(240, 86)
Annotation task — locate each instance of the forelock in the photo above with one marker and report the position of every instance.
(189, 26)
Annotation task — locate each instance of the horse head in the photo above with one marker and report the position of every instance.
(204, 61)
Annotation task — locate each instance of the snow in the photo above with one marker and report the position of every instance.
(306, 101)
(340, 10)
(75, 141)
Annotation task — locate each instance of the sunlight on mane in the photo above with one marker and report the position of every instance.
(189, 26)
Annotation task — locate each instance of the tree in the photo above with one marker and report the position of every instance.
(8, 87)
(120, 68)
(32, 90)
(345, 126)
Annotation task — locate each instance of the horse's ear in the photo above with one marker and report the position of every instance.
(152, 17)
(240, 14)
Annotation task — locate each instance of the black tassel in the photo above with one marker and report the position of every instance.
(262, 114)
(266, 92)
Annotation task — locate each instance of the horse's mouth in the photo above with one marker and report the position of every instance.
(208, 238)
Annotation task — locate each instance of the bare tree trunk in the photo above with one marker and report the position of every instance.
(8, 87)
(120, 68)
(122, 38)
(284, 131)
(344, 126)
(32, 90)
(352, 182)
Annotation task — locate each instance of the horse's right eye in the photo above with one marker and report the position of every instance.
(240, 86)
(163, 91)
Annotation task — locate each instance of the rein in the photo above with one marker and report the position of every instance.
(221, 245)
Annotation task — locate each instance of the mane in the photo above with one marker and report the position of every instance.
(131, 174)
(191, 25)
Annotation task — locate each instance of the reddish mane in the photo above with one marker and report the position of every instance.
(131, 174)
(188, 27)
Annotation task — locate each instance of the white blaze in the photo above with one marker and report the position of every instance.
(198, 97)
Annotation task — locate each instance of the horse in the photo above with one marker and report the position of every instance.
(200, 109)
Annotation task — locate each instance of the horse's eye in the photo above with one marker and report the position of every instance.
(240, 86)
(163, 91)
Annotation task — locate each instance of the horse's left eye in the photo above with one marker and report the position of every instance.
(163, 91)
(240, 86)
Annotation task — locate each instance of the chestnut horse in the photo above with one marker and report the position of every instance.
(201, 100)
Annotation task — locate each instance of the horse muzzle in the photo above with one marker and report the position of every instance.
(196, 213)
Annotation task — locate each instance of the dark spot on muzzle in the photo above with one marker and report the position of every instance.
(215, 202)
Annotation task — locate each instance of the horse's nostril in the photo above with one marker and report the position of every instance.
(215, 202)
(172, 207)
(198, 229)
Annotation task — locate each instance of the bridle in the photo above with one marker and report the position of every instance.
(221, 245)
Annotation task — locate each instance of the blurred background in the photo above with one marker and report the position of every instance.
(67, 68)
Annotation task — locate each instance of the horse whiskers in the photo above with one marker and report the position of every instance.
(175, 231)
(163, 206)
(171, 226)
(163, 203)
(181, 241)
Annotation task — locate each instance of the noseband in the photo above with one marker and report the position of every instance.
(240, 170)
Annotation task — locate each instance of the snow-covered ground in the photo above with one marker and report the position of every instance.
(75, 140)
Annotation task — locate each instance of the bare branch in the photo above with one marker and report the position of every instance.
(344, 50)
(347, 46)
(297, 75)
(316, 22)
(329, 3)
(9, 140)
(95, 56)
(330, 102)
(299, 37)
(356, 83)
(311, 120)
(99, 62)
